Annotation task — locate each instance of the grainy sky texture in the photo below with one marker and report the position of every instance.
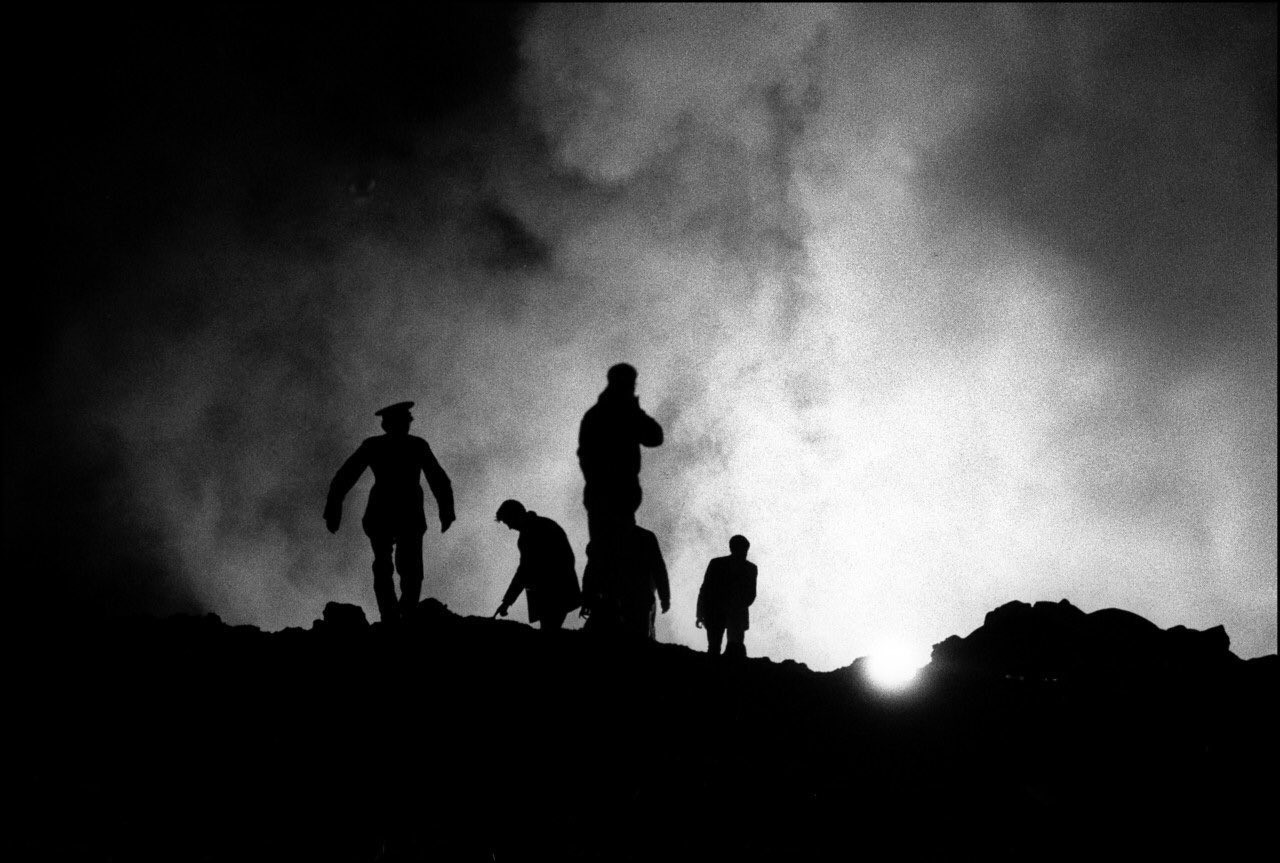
(941, 306)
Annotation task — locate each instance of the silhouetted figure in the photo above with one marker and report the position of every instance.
(728, 589)
(609, 441)
(624, 601)
(642, 573)
(393, 518)
(546, 573)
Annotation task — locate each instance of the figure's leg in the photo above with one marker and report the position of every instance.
(632, 618)
(629, 499)
(595, 513)
(599, 577)
(736, 645)
(599, 596)
(611, 510)
(590, 592)
(409, 565)
(384, 587)
(715, 634)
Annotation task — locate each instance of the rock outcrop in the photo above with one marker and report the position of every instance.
(1049, 640)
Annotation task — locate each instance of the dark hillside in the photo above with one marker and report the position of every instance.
(1045, 733)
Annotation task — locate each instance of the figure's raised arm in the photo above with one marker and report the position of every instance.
(513, 590)
(438, 481)
(342, 482)
(700, 614)
(648, 432)
(660, 578)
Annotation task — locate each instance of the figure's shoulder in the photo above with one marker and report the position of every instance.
(394, 446)
(751, 567)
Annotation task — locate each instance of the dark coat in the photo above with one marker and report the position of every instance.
(728, 589)
(547, 572)
(619, 590)
(610, 437)
(395, 501)
(642, 571)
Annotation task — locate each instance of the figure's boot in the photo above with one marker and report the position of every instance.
(410, 590)
(384, 589)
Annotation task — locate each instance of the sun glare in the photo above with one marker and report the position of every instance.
(894, 666)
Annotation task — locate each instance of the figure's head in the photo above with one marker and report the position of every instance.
(738, 545)
(396, 418)
(511, 513)
(622, 378)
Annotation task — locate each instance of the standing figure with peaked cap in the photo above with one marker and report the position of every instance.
(609, 441)
(393, 519)
(547, 573)
(728, 589)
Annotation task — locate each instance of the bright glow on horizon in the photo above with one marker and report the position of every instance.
(894, 665)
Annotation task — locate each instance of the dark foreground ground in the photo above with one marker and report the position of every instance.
(1047, 733)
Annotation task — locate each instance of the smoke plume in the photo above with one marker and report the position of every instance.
(939, 306)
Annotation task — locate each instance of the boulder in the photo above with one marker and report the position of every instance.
(342, 616)
(1048, 639)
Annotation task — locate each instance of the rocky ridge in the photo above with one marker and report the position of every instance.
(1046, 730)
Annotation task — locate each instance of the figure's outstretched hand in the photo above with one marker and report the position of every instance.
(698, 623)
(584, 612)
(502, 611)
(666, 606)
(445, 521)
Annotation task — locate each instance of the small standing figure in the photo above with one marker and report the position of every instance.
(626, 602)
(547, 572)
(393, 519)
(728, 589)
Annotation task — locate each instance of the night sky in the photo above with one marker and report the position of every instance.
(940, 306)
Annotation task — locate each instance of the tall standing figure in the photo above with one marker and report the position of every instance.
(728, 589)
(609, 441)
(393, 519)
